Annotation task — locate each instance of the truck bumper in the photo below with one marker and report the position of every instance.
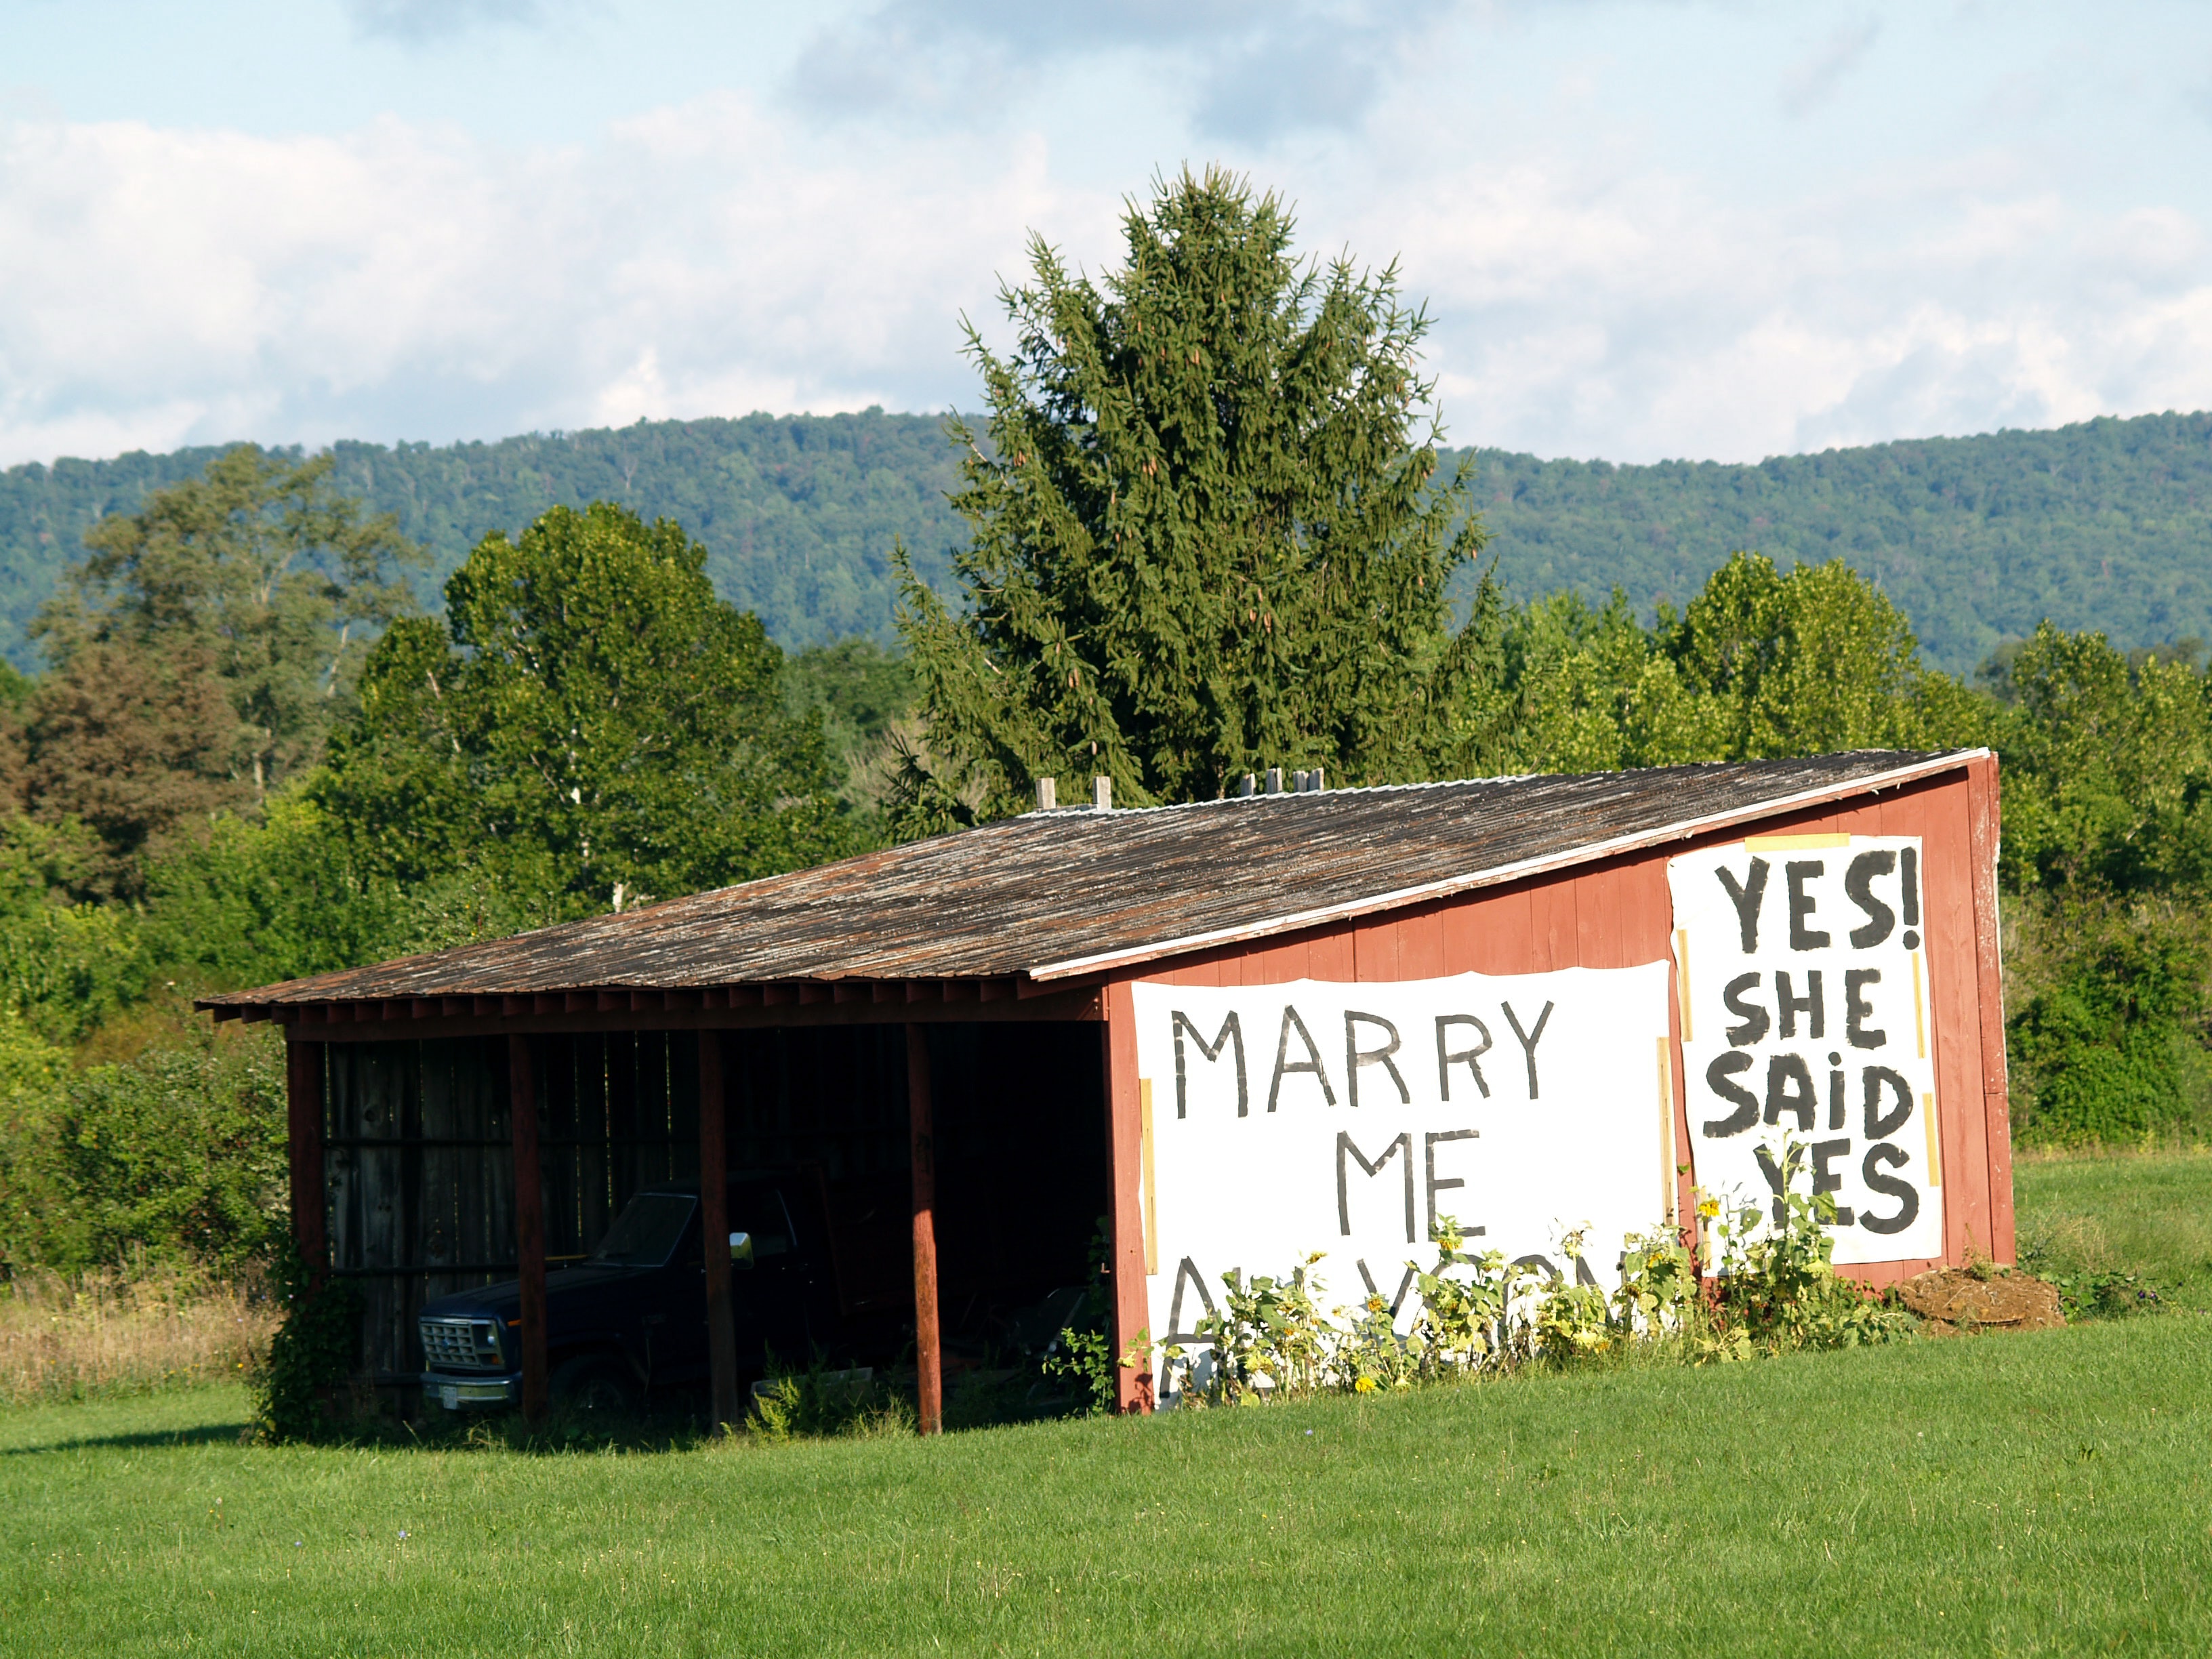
(477, 1392)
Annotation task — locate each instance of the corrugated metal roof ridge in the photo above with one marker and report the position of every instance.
(1589, 852)
(919, 889)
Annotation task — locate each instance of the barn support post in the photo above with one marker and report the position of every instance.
(1983, 833)
(714, 1230)
(1132, 1383)
(529, 1225)
(303, 1114)
(928, 1359)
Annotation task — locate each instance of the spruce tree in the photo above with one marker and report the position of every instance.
(1205, 540)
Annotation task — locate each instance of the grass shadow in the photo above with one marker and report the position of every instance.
(204, 1434)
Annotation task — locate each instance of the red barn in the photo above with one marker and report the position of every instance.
(949, 1032)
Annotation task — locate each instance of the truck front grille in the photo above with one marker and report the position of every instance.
(461, 1345)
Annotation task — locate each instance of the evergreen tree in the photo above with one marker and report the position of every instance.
(1205, 540)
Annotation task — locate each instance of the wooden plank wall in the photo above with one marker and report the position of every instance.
(617, 1112)
(419, 1174)
(1021, 1166)
(1619, 913)
(418, 1182)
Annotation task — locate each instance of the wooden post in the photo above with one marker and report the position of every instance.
(1133, 1388)
(529, 1225)
(928, 1359)
(715, 1231)
(1984, 835)
(303, 1114)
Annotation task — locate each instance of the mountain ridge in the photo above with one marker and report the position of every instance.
(2103, 524)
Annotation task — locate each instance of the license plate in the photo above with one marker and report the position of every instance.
(451, 1396)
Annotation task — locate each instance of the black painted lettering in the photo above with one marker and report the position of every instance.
(1798, 872)
(1905, 1192)
(1357, 1059)
(1835, 1092)
(1231, 1033)
(1718, 1074)
(1858, 883)
(1403, 1284)
(1857, 1010)
(1825, 1180)
(1790, 1089)
(1186, 1273)
(1402, 1149)
(1285, 1064)
(1448, 1056)
(1529, 1039)
(1429, 1144)
(1777, 1178)
(1746, 899)
(1910, 861)
(1788, 1007)
(1754, 1017)
(1879, 1127)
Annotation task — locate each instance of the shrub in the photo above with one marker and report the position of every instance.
(311, 1354)
(179, 1154)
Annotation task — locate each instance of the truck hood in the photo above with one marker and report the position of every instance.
(504, 1301)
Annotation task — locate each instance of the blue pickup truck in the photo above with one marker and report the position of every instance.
(632, 1316)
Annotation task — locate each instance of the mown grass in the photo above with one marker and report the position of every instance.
(2038, 1494)
(2146, 1214)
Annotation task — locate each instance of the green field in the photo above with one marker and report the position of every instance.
(2042, 1493)
(2149, 1215)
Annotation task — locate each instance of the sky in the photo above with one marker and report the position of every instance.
(1644, 229)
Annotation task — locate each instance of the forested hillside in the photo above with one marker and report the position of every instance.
(2106, 524)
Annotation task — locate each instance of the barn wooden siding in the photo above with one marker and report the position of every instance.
(418, 1198)
(419, 1171)
(1618, 914)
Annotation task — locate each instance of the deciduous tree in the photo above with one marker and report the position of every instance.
(590, 717)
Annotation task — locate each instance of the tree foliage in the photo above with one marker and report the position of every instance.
(258, 573)
(589, 721)
(1204, 537)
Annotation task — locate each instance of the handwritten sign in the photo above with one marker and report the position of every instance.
(1281, 1120)
(1807, 1016)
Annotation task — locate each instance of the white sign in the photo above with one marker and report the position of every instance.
(1805, 1015)
(1346, 1118)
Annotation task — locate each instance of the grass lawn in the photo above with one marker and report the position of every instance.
(2148, 1214)
(2024, 1494)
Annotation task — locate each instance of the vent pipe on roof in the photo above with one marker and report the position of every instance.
(1048, 793)
(1275, 780)
(1102, 794)
(1250, 785)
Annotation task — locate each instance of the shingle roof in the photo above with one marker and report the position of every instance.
(1056, 896)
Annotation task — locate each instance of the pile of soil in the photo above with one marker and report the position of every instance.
(1953, 1301)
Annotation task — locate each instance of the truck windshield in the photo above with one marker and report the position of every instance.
(647, 1232)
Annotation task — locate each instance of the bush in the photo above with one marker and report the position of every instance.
(179, 1154)
(2106, 1032)
(311, 1354)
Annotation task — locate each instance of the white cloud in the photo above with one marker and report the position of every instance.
(417, 21)
(168, 288)
(1812, 81)
(1240, 68)
(166, 285)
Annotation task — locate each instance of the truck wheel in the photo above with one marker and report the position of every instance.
(594, 1385)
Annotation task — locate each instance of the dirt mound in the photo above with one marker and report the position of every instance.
(1953, 1300)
